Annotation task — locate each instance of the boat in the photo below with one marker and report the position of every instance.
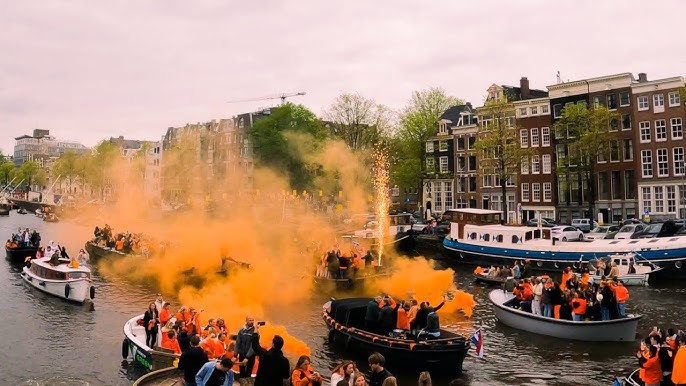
(163, 377)
(626, 262)
(50, 217)
(135, 347)
(19, 254)
(484, 277)
(22, 211)
(97, 252)
(615, 330)
(476, 237)
(61, 280)
(399, 230)
(630, 380)
(345, 321)
(349, 283)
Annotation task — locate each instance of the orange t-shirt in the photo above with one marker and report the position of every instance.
(403, 320)
(622, 294)
(172, 344)
(165, 315)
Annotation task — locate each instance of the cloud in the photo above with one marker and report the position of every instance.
(90, 70)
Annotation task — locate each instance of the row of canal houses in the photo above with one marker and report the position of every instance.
(643, 174)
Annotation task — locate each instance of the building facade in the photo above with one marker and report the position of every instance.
(43, 148)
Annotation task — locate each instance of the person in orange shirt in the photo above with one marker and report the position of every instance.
(304, 374)
(679, 369)
(652, 370)
(165, 314)
(193, 325)
(403, 320)
(621, 295)
(171, 342)
(119, 245)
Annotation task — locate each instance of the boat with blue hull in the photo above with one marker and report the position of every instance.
(476, 237)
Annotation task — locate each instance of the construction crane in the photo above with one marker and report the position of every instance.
(281, 96)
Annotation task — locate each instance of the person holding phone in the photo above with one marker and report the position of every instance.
(244, 352)
(304, 375)
(274, 367)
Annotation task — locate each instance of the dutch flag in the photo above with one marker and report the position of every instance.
(478, 341)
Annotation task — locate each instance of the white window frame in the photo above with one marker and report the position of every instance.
(660, 130)
(533, 110)
(658, 103)
(676, 123)
(536, 192)
(535, 139)
(443, 164)
(523, 111)
(678, 158)
(628, 99)
(430, 164)
(631, 153)
(547, 192)
(535, 164)
(442, 145)
(545, 109)
(487, 181)
(674, 99)
(662, 162)
(546, 160)
(525, 192)
(642, 102)
(616, 142)
(430, 147)
(524, 137)
(646, 197)
(525, 166)
(671, 198)
(644, 131)
(659, 194)
(545, 136)
(647, 163)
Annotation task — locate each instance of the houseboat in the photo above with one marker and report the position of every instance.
(62, 280)
(477, 237)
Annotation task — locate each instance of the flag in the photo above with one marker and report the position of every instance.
(478, 341)
(356, 244)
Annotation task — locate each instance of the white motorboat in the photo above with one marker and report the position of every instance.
(632, 272)
(61, 280)
(135, 347)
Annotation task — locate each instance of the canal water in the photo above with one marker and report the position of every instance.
(51, 342)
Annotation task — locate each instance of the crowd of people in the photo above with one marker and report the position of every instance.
(662, 358)
(124, 242)
(403, 318)
(336, 265)
(24, 238)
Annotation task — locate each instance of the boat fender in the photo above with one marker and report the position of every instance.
(67, 290)
(125, 348)
(92, 293)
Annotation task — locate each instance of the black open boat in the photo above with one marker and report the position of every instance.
(345, 320)
(19, 254)
(96, 252)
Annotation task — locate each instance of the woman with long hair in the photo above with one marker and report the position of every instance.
(424, 379)
(345, 371)
(304, 375)
(360, 380)
(150, 322)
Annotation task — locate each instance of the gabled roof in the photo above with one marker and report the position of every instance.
(453, 113)
(515, 93)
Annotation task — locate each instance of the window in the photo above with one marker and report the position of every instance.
(674, 99)
(597, 102)
(660, 130)
(624, 99)
(629, 192)
(443, 164)
(677, 130)
(647, 163)
(626, 121)
(534, 110)
(678, 156)
(671, 198)
(472, 163)
(557, 110)
(522, 111)
(442, 128)
(510, 182)
(658, 103)
(470, 143)
(611, 101)
(544, 109)
(659, 199)
(646, 198)
(534, 136)
(525, 192)
(545, 136)
(448, 190)
(547, 191)
(547, 165)
(535, 164)
(628, 150)
(614, 150)
(488, 180)
(644, 127)
(460, 143)
(524, 137)
(536, 191)
(430, 147)
(525, 166)
(616, 185)
(613, 125)
(643, 103)
(430, 164)
(662, 167)
(442, 145)
(438, 197)
(603, 189)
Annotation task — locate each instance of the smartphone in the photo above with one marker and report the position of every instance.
(261, 323)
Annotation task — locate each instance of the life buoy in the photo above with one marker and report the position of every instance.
(92, 292)
(125, 348)
(67, 290)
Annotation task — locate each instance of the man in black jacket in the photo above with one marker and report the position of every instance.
(274, 367)
(244, 348)
(192, 360)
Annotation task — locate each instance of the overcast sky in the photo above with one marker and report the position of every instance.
(87, 70)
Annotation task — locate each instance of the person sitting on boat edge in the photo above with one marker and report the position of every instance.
(171, 343)
(433, 327)
(215, 373)
(377, 363)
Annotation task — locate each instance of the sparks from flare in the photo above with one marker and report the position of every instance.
(382, 203)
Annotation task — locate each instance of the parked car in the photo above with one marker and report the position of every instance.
(584, 224)
(603, 232)
(443, 228)
(632, 221)
(629, 230)
(566, 233)
(660, 229)
(545, 222)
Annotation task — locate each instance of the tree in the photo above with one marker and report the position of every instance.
(587, 137)
(7, 170)
(100, 165)
(498, 144)
(68, 167)
(285, 140)
(32, 173)
(418, 123)
(359, 122)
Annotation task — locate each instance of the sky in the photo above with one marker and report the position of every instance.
(90, 70)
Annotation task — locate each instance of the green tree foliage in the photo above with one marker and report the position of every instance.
(587, 137)
(181, 169)
(100, 166)
(69, 168)
(31, 173)
(7, 171)
(500, 151)
(286, 140)
(358, 121)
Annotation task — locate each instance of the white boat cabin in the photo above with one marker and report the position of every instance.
(43, 269)
(397, 223)
(484, 226)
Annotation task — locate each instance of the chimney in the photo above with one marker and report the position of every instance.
(642, 77)
(524, 86)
